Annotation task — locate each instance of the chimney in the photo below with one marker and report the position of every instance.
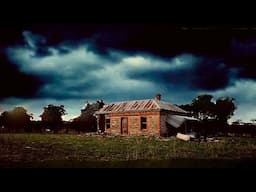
(158, 96)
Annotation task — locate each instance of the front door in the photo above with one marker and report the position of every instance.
(124, 125)
(101, 123)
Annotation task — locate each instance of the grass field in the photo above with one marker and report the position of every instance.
(63, 150)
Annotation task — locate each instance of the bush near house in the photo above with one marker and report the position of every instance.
(87, 122)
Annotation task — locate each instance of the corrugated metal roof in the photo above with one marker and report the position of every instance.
(177, 120)
(169, 107)
(139, 105)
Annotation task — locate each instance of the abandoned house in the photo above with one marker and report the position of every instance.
(143, 117)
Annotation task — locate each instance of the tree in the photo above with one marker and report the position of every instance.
(87, 121)
(203, 107)
(4, 119)
(20, 118)
(186, 107)
(17, 119)
(224, 109)
(214, 115)
(52, 116)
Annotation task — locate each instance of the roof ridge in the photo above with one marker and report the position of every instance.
(128, 101)
(140, 105)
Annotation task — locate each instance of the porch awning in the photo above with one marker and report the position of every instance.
(177, 120)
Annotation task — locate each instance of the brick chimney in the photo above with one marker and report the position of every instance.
(158, 97)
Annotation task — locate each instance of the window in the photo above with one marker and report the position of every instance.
(143, 123)
(107, 123)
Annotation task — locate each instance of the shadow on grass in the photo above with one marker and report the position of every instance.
(173, 163)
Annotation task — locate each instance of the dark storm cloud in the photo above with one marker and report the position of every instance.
(211, 74)
(71, 63)
(218, 53)
(244, 57)
(197, 73)
(36, 43)
(163, 40)
(10, 35)
(236, 49)
(15, 83)
(70, 75)
(63, 50)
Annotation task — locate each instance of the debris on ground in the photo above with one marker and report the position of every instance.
(183, 137)
(192, 137)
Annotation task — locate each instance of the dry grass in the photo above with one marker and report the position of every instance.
(39, 148)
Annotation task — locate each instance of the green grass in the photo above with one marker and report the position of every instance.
(63, 150)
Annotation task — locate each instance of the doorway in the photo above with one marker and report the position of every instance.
(124, 125)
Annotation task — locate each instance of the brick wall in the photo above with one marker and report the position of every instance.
(115, 125)
(163, 128)
(134, 124)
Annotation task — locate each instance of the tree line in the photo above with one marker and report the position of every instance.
(204, 108)
(19, 120)
(213, 115)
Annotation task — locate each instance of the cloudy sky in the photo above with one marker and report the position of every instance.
(71, 64)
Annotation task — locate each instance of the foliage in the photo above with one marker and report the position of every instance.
(4, 119)
(187, 107)
(52, 116)
(17, 119)
(204, 108)
(87, 122)
(224, 109)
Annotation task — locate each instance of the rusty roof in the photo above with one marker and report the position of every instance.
(169, 107)
(138, 106)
